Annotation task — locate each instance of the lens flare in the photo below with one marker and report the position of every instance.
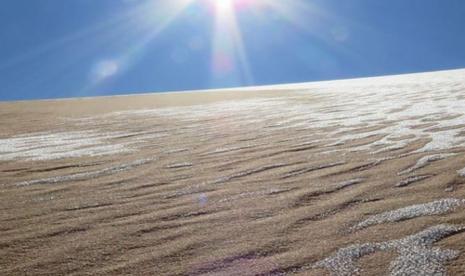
(105, 69)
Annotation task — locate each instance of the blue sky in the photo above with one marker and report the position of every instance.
(76, 48)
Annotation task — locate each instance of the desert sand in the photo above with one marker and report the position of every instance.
(352, 177)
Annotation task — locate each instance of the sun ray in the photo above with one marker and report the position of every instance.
(229, 59)
(151, 18)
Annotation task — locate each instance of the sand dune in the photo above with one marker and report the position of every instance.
(353, 177)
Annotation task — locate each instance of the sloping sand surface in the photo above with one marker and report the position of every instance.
(355, 177)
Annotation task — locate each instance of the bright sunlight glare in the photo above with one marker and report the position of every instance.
(147, 19)
(223, 5)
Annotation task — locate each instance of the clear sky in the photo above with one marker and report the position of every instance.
(75, 48)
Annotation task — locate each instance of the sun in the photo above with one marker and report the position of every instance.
(226, 6)
(222, 7)
(223, 4)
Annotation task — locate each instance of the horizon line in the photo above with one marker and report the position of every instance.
(231, 89)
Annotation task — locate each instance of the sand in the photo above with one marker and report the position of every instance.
(353, 177)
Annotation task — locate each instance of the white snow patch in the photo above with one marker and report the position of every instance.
(87, 175)
(49, 146)
(424, 161)
(438, 207)
(416, 254)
